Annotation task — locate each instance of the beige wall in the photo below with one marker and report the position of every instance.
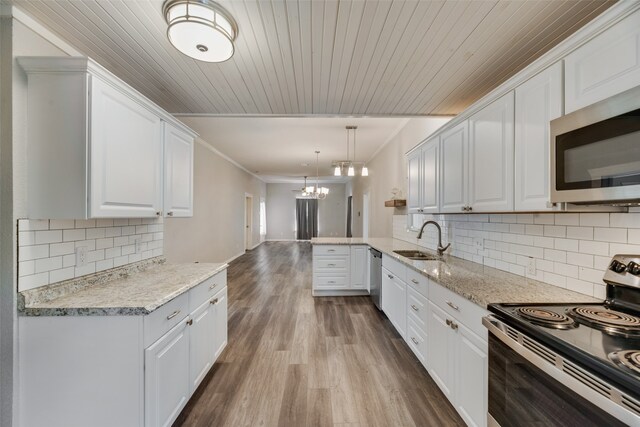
(215, 233)
(388, 170)
(281, 211)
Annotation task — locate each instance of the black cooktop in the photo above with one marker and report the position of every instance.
(603, 340)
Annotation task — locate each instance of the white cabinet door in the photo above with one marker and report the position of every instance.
(538, 101)
(441, 350)
(491, 157)
(386, 292)
(166, 377)
(472, 377)
(453, 168)
(178, 172)
(414, 179)
(430, 176)
(220, 315)
(359, 270)
(399, 311)
(604, 66)
(125, 156)
(201, 350)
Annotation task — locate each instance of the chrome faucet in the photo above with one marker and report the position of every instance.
(441, 248)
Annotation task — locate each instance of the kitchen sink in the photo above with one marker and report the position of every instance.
(417, 255)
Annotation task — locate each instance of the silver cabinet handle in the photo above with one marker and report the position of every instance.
(331, 265)
(169, 213)
(172, 315)
(214, 301)
(415, 281)
(389, 276)
(414, 308)
(331, 250)
(331, 281)
(415, 341)
(213, 286)
(452, 305)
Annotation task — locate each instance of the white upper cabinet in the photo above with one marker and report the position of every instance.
(414, 170)
(178, 172)
(125, 148)
(423, 180)
(538, 101)
(430, 175)
(95, 145)
(491, 157)
(606, 65)
(453, 168)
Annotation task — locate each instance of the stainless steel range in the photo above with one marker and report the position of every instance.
(568, 364)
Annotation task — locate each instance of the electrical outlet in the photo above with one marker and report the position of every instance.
(81, 256)
(531, 266)
(478, 242)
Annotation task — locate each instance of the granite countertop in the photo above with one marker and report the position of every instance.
(478, 283)
(131, 291)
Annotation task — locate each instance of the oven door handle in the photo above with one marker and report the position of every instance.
(564, 371)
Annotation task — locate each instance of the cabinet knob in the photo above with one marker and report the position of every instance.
(469, 208)
(158, 213)
(214, 301)
(454, 326)
(389, 276)
(213, 286)
(190, 322)
(448, 322)
(169, 213)
(464, 208)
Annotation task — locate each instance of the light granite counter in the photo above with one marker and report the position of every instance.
(136, 289)
(478, 283)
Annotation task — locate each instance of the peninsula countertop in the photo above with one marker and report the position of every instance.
(129, 292)
(478, 283)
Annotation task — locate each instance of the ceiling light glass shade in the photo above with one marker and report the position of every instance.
(200, 29)
(365, 171)
(351, 171)
(337, 171)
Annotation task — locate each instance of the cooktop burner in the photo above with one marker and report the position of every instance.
(546, 318)
(628, 358)
(610, 321)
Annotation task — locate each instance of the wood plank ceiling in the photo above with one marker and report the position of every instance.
(374, 57)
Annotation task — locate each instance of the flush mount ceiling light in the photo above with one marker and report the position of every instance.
(201, 29)
(349, 165)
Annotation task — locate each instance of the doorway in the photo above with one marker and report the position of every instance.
(248, 222)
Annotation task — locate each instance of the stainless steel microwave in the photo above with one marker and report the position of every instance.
(595, 153)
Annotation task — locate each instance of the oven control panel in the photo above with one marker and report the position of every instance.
(624, 270)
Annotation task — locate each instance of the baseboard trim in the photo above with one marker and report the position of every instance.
(338, 293)
(256, 245)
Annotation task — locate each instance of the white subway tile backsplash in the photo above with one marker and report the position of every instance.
(46, 248)
(618, 235)
(570, 249)
(48, 236)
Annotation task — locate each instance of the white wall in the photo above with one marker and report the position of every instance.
(281, 211)
(387, 170)
(215, 233)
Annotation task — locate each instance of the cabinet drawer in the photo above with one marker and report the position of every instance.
(459, 307)
(164, 318)
(396, 268)
(329, 263)
(331, 249)
(207, 289)
(338, 281)
(417, 340)
(418, 281)
(417, 307)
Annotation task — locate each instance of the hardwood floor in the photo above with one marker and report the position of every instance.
(295, 360)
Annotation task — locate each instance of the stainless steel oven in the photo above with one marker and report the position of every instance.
(595, 153)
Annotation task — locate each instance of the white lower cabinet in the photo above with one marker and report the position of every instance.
(166, 377)
(394, 296)
(458, 363)
(147, 366)
(340, 270)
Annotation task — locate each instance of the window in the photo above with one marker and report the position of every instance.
(263, 217)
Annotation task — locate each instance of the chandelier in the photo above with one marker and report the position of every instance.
(315, 191)
(349, 165)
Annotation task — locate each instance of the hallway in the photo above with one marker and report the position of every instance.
(295, 360)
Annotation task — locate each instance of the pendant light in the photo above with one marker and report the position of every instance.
(200, 29)
(351, 171)
(350, 165)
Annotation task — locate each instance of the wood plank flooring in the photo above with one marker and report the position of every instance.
(295, 360)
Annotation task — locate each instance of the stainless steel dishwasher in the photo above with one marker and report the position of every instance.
(375, 285)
